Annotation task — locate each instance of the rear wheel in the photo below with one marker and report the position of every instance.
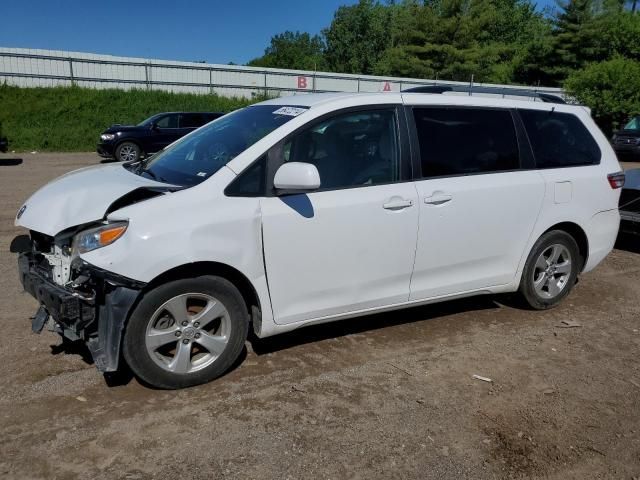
(186, 332)
(551, 270)
(128, 152)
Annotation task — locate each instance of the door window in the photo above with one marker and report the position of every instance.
(191, 120)
(168, 121)
(464, 141)
(350, 149)
(559, 139)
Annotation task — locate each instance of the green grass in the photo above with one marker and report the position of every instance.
(67, 119)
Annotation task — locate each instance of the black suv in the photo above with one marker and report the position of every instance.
(626, 142)
(4, 143)
(130, 142)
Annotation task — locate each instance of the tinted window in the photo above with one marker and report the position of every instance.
(351, 149)
(168, 121)
(251, 182)
(191, 120)
(634, 124)
(208, 117)
(458, 141)
(559, 139)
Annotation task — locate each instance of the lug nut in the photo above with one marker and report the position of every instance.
(185, 323)
(196, 324)
(178, 333)
(197, 335)
(185, 341)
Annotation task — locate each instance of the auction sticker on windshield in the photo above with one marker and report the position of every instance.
(291, 111)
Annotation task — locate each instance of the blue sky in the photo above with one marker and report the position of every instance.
(190, 30)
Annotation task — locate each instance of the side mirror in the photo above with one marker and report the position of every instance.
(154, 126)
(297, 177)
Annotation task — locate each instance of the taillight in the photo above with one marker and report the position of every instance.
(616, 180)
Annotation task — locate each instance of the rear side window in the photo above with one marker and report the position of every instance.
(559, 139)
(464, 141)
(191, 120)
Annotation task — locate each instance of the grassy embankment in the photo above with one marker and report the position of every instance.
(67, 119)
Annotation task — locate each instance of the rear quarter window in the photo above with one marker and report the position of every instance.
(559, 139)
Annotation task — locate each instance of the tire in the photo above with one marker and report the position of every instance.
(128, 152)
(551, 270)
(186, 332)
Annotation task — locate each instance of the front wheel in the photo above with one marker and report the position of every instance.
(186, 332)
(128, 152)
(551, 270)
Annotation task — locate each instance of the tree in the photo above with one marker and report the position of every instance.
(610, 88)
(294, 50)
(454, 39)
(358, 36)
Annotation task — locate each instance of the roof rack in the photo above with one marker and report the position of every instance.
(519, 92)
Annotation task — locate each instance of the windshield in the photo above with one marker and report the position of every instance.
(147, 121)
(634, 124)
(201, 154)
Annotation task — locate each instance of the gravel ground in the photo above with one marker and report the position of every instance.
(383, 396)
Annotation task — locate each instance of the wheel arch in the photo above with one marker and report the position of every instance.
(195, 269)
(578, 234)
(135, 141)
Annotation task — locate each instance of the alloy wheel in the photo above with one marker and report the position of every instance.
(188, 333)
(552, 271)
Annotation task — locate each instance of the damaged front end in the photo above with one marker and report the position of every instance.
(77, 300)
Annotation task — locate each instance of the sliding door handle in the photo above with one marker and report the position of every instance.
(438, 199)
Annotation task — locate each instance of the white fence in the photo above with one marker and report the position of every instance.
(38, 68)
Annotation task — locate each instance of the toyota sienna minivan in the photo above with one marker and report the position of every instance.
(314, 208)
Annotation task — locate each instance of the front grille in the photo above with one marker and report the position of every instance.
(630, 200)
(626, 141)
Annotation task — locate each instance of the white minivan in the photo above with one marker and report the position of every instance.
(315, 208)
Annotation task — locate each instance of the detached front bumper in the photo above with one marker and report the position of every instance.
(93, 308)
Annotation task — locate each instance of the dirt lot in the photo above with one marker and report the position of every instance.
(384, 396)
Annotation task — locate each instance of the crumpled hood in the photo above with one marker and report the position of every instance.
(80, 197)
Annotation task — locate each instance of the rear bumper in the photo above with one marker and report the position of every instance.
(94, 310)
(627, 152)
(630, 222)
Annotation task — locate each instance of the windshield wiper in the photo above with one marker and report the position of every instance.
(153, 175)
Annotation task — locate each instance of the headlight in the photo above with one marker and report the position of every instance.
(99, 237)
(107, 136)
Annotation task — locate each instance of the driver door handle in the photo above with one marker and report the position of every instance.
(397, 203)
(438, 198)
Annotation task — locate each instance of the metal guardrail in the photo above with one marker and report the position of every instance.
(25, 67)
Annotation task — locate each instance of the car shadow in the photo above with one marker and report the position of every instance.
(628, 242)
(10, 162)
(69, 347)
(368, 323)
(316, 333)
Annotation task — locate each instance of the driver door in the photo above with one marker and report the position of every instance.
(350, 245)
(165, 131)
